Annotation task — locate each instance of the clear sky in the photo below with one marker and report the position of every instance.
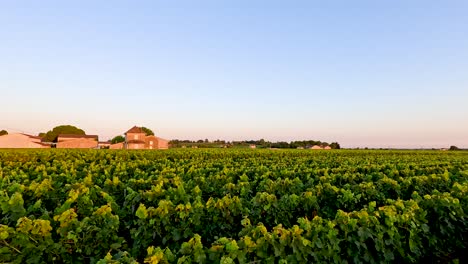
(363, 73)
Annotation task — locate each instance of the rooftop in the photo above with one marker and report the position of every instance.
(77, 136)
(135, 129)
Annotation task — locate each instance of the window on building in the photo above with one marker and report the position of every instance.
(151, 142)
(136, 136)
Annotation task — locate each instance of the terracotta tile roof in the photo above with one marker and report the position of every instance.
(77, 136)
(135, 129)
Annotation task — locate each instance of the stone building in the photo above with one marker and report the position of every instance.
(136, 138)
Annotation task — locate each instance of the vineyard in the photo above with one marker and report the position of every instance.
(233, 206)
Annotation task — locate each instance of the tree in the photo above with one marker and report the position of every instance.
(454, 148)
(117, 139)
(335, 145)
(51, 136)
(147, 131)
(42, 135)
(3, 132)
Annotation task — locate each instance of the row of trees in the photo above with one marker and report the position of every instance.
(293, 144)
(176, 143)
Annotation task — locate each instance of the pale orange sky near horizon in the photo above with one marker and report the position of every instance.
(354, 137)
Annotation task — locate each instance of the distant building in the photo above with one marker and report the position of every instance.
(316, 147)
(117, 146)
(153, 142)
(252, 146)
(20, 140)
(77, 141)
(104, 144)
(300, 147)
(67, 137)
(136, 138)
(327, 147)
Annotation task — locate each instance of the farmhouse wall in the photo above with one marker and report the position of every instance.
(78, 143)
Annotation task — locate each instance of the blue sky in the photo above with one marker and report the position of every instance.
(363, 73)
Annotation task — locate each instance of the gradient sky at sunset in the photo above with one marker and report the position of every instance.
(363, 73)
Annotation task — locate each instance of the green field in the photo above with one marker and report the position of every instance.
(233, 206)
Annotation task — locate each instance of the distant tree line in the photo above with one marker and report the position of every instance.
(177, 143)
